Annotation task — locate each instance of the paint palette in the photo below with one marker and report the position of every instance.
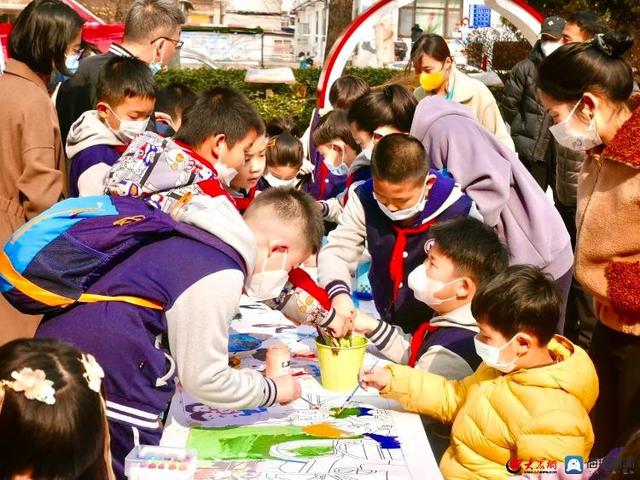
(146, 462)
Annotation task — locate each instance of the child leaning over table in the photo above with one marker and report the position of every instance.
(531, 396)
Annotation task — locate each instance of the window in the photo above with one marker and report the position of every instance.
(434, 16)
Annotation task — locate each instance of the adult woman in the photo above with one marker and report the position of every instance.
(46, 35)
(586, 88)
(431, 59)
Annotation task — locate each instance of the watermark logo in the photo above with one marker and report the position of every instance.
(573, 464)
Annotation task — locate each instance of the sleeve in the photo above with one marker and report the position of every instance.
(555, 435)
(427, 393)
(623, 287)
(42, 182)
(488, 183)
(392, 342)
(512, 94)
(492, 120)
(198, 328)
(332, 208)
(91, 181)
(338, 259)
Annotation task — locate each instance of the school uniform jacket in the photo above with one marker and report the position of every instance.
(395, 251)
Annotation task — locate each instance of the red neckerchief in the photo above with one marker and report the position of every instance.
(120, 148)
(396, 266)
(417, 340)
(322, 176)
(212, 186)
(242, 203)
(346, 192)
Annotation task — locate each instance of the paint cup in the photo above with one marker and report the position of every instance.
(339, 366)
(278, 360)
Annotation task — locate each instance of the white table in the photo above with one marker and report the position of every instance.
(360, 458)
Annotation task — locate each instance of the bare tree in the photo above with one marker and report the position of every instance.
(340, 15)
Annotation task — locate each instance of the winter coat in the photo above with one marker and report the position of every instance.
(540, 413)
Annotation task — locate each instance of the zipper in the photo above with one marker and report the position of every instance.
(71, 212)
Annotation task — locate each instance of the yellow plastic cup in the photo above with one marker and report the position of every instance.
(339, 366)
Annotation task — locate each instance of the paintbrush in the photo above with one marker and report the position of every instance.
(312, 405)
(344, 405)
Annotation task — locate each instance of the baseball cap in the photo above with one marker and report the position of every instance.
(553, 26)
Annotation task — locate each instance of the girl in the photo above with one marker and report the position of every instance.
(432, 60)
(46, 35)
(586, 89)
(52, 420)
(284, 162)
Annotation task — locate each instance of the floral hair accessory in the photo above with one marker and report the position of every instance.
(92, 371)
(34, 385)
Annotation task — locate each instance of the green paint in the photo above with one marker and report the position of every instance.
(350, 412)
(244, 442)
(316, 451)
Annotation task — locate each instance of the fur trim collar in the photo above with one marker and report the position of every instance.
(625, 147)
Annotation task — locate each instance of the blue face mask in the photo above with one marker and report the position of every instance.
(339, 170)
(71, 62)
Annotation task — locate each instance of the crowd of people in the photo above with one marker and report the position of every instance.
(133, 218)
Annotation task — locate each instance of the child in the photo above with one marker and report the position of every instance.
(284, 163)
(382, 111)
(462, 255)
(339, 151)
(531, 396)
(244, 186)
(393, 213)
(172, 100)
(126, 94)
(52, 420)
(200, 285)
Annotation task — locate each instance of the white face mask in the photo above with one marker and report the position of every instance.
(549, 47)
(566, 136)
(72, 62)
(424, 287)
(339, 170)
(129, 129)
(225, 174)
(406, 213)
(279, 182)
(265, 285)
(490, 355)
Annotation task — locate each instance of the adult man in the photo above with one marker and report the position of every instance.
(151, 33)
(582, 26)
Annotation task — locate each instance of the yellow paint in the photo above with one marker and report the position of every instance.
(325, 430)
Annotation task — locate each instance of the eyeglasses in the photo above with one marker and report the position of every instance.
(177, 43)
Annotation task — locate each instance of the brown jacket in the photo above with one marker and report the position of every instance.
(608, 221)
(31, 159)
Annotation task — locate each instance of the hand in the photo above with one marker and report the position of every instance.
(364, 324)
(288, 389)
(306, 168)
(378, 378)
(342, 324)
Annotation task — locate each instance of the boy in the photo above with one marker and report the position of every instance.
(243, 187)
(200, 287)
(393, 213)
(172, 100)
(463, 254)
(126, 96)
(529, 399)
(340, 153)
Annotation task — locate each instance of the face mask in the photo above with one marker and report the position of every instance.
(431, 81)
(341, 170)
(156, 66)
(424, 287)
(129, 129)
(566, 136)
(71, 62)
(266, 285)
(225, 174)
(549, 47)
(278, 182)
(490, 355)
(399, 215)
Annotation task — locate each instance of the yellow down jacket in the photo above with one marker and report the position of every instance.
(539, 413)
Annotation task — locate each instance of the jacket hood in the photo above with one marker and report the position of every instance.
(574, 372)
(361, 160)
(536, 55)
(88, 131)
(433, 108)
(181, 183)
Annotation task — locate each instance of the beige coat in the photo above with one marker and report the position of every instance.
(475, 95)
(608, 221)
(31, 159)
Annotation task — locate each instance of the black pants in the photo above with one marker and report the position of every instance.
(580, 319)
(617, 412)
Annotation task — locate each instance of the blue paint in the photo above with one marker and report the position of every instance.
(385, 441)
(243, 342)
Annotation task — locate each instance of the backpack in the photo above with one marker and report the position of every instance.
(50, 262)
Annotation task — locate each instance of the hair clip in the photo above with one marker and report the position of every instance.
(599, 42)
(34, 385)
(93, 372)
